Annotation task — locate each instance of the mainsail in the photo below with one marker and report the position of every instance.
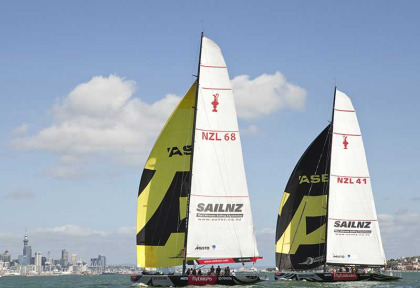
(300, 233)
(208, 209)
(353, 230)
(220, 221)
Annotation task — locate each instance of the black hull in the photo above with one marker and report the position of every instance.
(334, 277)
(196, 280)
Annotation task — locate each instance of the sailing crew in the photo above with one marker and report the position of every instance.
(194, 272)
(218, 270)
(212, 270)
(199, 272)
(188, 271)
(227, 271)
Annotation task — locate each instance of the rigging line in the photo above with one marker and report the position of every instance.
(183, 178)
(282, 202)
(309, 192)
(326, 188)
(185, 161)
(173, 194)
(184, 261)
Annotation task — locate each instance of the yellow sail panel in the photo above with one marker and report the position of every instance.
(296, 233)
(164, 185)
(300, 233)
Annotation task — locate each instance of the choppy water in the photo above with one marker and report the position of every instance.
(410, 280)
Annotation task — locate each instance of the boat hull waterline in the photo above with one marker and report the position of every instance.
(196, 280)
(334, 277)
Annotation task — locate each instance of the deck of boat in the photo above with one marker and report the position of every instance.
(334, 277)
(166, 280)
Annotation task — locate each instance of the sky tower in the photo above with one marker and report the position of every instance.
(25, 259)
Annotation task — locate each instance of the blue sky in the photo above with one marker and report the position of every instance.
(82, 198)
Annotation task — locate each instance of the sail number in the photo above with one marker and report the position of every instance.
(217, 136)
(348, 180)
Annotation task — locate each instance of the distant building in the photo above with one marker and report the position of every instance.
(99, 263)
(5, 257)
(43, 261)
(73, 259)
(64, 258)
(38, 262)
(25, 259)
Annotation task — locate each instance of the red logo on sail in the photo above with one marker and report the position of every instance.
(215, 102)
(345, 143)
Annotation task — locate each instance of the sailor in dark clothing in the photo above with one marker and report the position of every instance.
(212, 270)
(227, 273)
(188, 271)
(194, 272)
(199, 272)
(218, 270)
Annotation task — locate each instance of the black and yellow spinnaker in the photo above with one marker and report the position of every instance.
(164, 185)
(300, 233)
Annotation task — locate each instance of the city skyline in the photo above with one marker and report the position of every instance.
(87, 86)
(25, 264)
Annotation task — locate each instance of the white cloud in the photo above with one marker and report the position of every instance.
(400, 234)
(266, 94)
(250, 130)
(266, 247)
(100, 117)
(66, 172)
(19, 195)
(101, 120)
(22, 129)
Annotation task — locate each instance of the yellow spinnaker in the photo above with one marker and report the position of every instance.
(161, 203)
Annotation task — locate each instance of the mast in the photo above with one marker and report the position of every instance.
(184, 262)
(329, 179)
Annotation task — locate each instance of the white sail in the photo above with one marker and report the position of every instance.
(220, 221)
(353, 231)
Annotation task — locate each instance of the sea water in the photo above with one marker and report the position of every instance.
(410, 280)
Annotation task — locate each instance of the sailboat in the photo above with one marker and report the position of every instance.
(193, 206)
(327, 219)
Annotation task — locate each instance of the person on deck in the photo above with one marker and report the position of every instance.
(227, 273)
(194, 272)
(212, 270)
(199, 272)
(218, 270)
(188, 271)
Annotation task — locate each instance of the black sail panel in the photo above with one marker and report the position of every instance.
(301, 223)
